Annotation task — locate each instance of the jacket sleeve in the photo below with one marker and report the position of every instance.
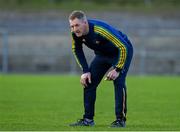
(116, 42)
(77, 50)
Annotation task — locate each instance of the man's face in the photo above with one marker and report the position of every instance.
(78, 26)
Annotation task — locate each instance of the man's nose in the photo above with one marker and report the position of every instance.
(75, 28)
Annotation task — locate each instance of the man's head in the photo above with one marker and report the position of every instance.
(78, 23)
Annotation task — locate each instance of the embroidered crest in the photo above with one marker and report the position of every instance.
(83, 40)
(97, 42)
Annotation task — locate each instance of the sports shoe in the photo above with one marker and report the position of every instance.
(118, 123)
(83, 122)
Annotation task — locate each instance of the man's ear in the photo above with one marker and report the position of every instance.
(85, 22)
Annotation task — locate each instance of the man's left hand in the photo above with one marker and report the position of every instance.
(112, 75)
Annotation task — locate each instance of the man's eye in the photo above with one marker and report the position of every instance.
(76, 25)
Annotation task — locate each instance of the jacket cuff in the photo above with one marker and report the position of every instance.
(85, 70)
(117, 69)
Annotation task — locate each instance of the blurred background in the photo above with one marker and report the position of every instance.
(35, 35)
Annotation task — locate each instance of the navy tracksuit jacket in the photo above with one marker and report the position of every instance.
(112, 49)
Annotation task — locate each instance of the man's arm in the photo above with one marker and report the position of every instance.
(102, 31)
(79, 55)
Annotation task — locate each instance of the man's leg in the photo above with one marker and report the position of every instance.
(121, 94)
(120, 102)
(98, 68)
(120, 97)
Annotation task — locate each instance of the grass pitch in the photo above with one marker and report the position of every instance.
(52, 102)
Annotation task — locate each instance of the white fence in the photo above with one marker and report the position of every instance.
(35, 43)
(50, 52)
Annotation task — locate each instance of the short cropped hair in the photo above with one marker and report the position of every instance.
(77, 14)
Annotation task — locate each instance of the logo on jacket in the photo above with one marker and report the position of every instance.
(97, 42)
(83, 40)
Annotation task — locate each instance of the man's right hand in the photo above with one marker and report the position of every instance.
(84, 78)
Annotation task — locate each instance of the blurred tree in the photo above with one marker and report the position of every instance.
(20, 2)
(102, 1)
(148, 2)
(55, 1)
(33, 4)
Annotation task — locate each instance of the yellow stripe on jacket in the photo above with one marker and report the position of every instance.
(109, 36)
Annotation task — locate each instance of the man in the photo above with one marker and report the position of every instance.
(112, 49)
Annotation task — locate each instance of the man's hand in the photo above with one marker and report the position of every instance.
(112, 75)
(86, 77)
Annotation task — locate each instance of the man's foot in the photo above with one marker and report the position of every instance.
(83, 122)
(118, 123)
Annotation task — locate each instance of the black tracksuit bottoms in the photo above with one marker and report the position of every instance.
(98, 68)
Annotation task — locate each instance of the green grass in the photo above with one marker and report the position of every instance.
(51, 102)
